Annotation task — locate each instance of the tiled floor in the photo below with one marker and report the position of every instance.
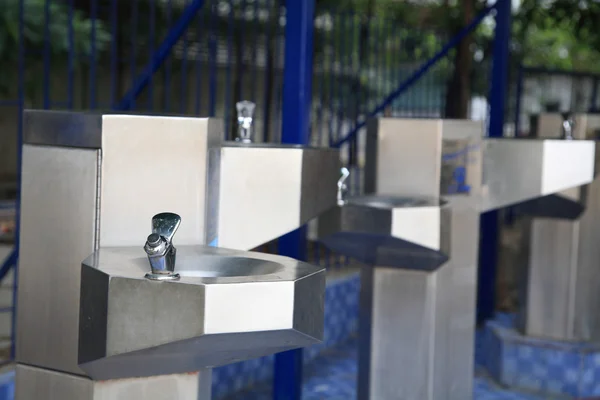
(332, 376)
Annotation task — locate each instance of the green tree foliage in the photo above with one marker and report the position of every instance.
(56, 28)
(558, 34)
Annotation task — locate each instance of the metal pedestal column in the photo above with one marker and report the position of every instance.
(417, 328)
(561, 297)
(39, 383)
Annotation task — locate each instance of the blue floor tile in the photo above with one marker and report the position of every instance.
(333, 374)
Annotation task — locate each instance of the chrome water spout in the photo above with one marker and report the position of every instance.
(342, 188)
(159, 247)
(567, 127)
(245, 111)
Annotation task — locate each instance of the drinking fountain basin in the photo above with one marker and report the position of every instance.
(227, 306)
(389, 231)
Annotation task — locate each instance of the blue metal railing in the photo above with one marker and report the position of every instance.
(209, 57)
(417, 75)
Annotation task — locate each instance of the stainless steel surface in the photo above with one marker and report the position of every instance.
(342, 188)
(282, 188)
(417, 328)
(559, 297)
(418, 171)
(58, 230)
(220, 174)
(389, 231)
(567, 127)
(34, 383)
(426, 319)
(77, 198)
(523, 169)
(62, 128)
(395, 362)
(245, 112)
(228, 306)
(499, 172)
(159, 247)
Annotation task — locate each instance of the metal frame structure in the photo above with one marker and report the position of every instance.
(297, 105)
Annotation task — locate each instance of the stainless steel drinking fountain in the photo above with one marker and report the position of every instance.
(139, 199)
(427, 182)
(559, 295)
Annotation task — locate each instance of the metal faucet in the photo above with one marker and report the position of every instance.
(342, 188)
(159, 247)
(567, 127)
(245, 110)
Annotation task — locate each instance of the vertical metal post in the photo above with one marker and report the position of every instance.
(486, 288)
(297, 96)
(15, 255)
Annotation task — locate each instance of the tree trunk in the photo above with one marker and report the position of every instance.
(458, 95)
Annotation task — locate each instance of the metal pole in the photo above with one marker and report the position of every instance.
(297, 96)
(486, 288)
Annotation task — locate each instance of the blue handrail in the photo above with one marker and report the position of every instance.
(418, 74)
(8, 264)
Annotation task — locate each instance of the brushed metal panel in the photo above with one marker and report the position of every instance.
(32, 383)
(365, 332)
(309, 306)
(35, 383)
(62, 128)
(152, 164)
(402, 335)
(58, 215)
(370, 169)
(420, 225)
(380, 230)
(561, 298)
(260, 195)
(320, 174)
(567, 164)
(227, 306)
(587, 301)
(420, 143)
(426, 321)
(455, 309)
(512, 172)
(550, 297)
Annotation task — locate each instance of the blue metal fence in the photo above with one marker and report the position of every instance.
(194, 57)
